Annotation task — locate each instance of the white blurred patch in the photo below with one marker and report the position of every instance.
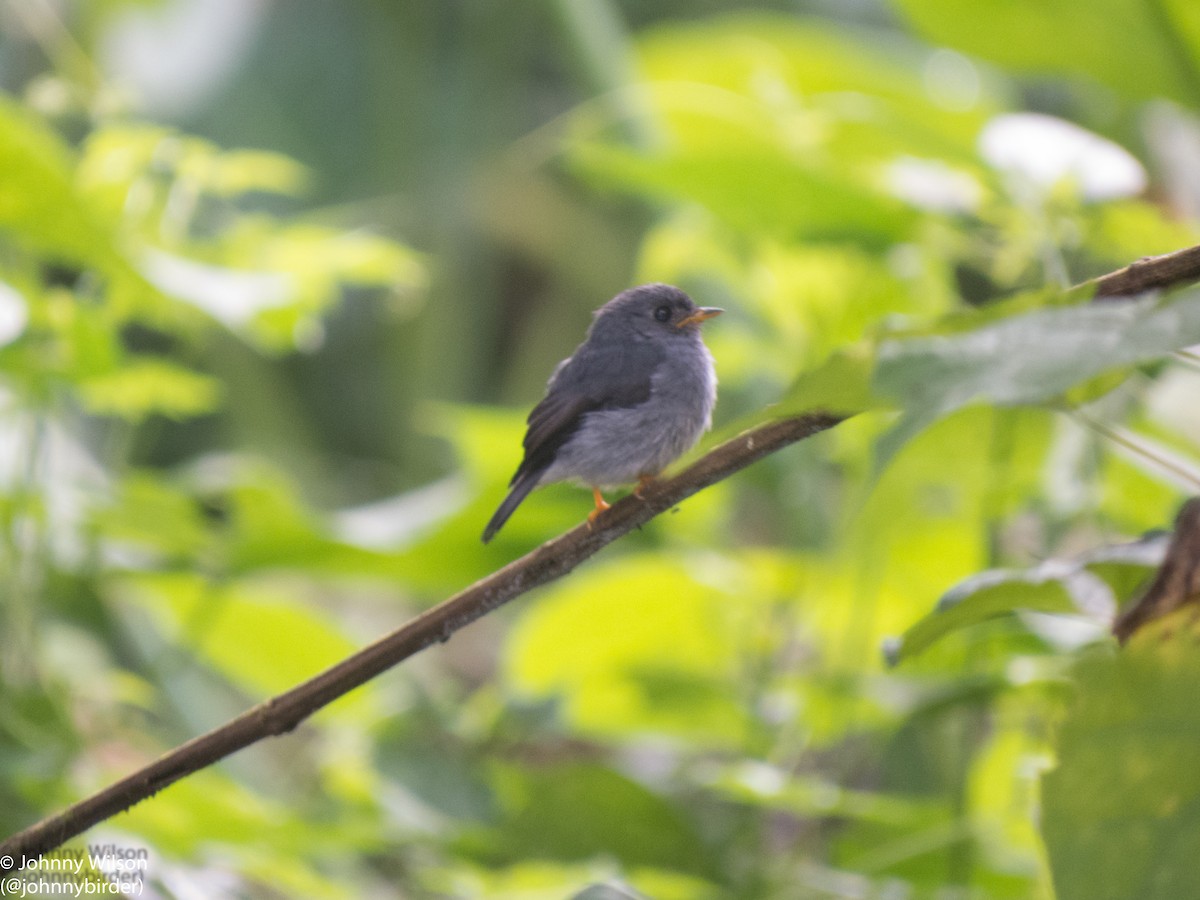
(38, 454)
(932, 185)
(14, 314)
(1171, 401)
(951, 80)
(231, 296)
(396, 521)
(174, 55)
(1044, 150)
(764, 780)
(1173, 140)
(1066, 633)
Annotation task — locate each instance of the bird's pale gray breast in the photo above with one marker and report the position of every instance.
(619, 445)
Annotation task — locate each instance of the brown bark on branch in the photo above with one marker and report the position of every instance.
(1148, 273)
(1177, 581)
(282, 713)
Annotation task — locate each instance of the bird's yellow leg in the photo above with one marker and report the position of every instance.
(644, 482)
(601, 505)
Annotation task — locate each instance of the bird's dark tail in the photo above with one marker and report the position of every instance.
(520, 490)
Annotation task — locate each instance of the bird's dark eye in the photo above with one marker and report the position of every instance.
(663, 313)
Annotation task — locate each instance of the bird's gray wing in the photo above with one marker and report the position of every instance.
(593, 378)
(613, 376)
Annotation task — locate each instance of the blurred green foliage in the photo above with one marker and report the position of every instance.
(265, 352)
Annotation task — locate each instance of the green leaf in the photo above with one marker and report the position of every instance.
(1029, 358)
(537, 879)
(1119, 812)
(986, 596)
(1140, 51)
(580, 810)
(39, 205)
(783, 127)
(870, 101)
(755, 192)
(759, 784)
(435, 766)
(258, 634)
(208, 810)
(149, 512)
(841, 385)
(598, 645)
(237, 172)
(147, 387)
(1092, 585)
(308, 252)
(271, 528)
(276, 280)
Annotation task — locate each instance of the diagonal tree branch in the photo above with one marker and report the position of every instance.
(282, 713)
(1147, 274)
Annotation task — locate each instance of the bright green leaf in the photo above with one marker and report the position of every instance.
(39, 204)
(983, 597)
(1092, 585)
(1027, 358)
(598, 644)
(1119, 811)
(763, 785)
(1143, 52)
(147, 387)
(842, 385)
(577, 811)
(754, 192)
(149, 512)
(260, 635)
(237, 172)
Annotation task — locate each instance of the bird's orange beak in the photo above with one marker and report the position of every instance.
(704, 312)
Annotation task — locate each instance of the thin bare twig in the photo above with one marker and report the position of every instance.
(1147, 274)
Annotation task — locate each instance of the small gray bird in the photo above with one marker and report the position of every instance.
(635, 395)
